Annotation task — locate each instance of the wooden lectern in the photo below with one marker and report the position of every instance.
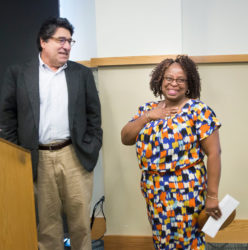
(17, 206)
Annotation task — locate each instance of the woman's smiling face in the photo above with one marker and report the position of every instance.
(174, 85)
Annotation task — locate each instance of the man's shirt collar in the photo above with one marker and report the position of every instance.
(45, 66)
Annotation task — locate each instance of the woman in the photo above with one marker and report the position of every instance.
(172, 136)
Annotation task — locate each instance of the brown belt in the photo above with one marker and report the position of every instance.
(55, 146)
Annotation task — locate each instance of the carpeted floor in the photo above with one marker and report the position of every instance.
(99, 245)
(226, 246)
(96, 245)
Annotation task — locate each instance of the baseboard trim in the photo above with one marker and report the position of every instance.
(235, 233)
(99, 228)
(124, 242)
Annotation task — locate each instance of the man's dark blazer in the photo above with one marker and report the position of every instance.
(20, 111)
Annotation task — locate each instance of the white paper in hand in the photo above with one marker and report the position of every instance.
(227, 206)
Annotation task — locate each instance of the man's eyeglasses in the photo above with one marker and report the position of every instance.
(63, 40)
(179, 81)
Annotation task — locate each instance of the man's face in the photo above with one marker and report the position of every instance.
(54, 52)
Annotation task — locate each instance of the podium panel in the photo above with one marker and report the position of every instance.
(17, 206)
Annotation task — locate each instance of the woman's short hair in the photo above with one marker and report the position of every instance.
(190, 69)
(49, 27)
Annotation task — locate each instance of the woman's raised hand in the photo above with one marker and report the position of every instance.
(161, 112)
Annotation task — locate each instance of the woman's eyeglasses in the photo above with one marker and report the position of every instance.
(179, 81)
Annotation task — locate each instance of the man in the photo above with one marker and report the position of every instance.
(50, 106)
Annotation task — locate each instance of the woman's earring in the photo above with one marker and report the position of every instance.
(187, 92)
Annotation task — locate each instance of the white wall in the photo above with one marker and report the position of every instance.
(214, 27)
(112, 28)
(81, 13)
(138, 27)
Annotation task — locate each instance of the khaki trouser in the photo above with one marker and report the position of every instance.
(63, 185)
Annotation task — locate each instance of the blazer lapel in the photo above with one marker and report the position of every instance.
(31, 77)
(72, 85)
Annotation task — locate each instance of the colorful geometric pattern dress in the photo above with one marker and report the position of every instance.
(173, 179)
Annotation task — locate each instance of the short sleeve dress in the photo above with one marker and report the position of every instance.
(173, 173)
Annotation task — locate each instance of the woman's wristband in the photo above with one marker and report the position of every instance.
(212, 197)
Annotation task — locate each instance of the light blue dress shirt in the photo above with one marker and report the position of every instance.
(54, 121)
